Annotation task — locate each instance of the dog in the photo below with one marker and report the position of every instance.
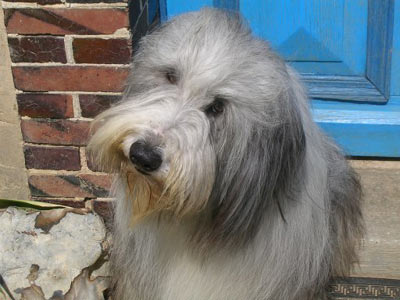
(225, 187)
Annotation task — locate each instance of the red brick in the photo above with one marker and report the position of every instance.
(101, 51)
(37, 49)
(56, 132)
(92, 105)
(70, 78)
(45, 105)
(104, 209)
(70, 186)
(97, 180)
(55, 158)
(65, 21)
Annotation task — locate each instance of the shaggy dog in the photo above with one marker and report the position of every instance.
(226, 188)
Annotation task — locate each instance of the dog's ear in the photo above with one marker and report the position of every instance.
(265, 175)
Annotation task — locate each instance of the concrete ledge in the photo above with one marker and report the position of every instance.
(13, 177)
(380, 257)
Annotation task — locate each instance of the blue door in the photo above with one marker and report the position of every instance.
(348, 54)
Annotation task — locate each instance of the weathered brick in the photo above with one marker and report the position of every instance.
(45, 105)
(65, 21)
(104, 209)
(98, 180)
(101, 51)
(37, 49)
(56, 132)
(54, 158)
(92, 105)
(70, 78)
(70, 186)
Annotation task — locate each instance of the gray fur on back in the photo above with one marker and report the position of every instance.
(255, 203)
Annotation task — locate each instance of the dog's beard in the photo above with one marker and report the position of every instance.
(145, 194)
(184, 182)
(183, 191)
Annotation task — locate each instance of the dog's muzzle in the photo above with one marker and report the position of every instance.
(145, 157)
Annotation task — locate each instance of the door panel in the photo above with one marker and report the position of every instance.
(341, 47)
(315, 36)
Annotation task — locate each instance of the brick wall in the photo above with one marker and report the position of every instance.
(69, 62)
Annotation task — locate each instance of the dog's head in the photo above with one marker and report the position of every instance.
(210, 120)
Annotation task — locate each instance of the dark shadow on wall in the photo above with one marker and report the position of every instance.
(144, 16)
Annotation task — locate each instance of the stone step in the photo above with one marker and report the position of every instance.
(380, 256)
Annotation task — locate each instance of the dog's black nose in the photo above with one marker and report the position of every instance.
(146, 157)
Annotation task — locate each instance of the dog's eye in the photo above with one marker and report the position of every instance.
(171, 76)
(216, 108)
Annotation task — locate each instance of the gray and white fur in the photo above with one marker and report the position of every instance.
(244, 198)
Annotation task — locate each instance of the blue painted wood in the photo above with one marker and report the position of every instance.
(176, 7)
(308, 49)
(163, 10)
(353, 88)
(365, 140)
(355, 20)
(361, 130)
(317, 35)
(152, 8)
(227, 4)
(379, 47)
(395, 74)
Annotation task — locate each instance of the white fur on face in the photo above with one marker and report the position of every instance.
(180, 130)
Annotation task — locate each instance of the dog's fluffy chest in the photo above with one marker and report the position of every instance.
(212, 280)
(186, 276)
